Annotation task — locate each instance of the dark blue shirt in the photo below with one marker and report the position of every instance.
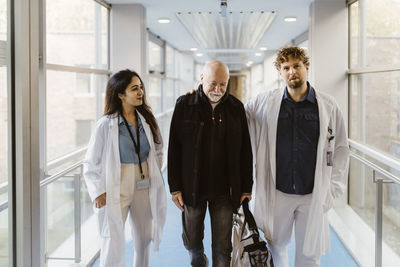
(296, 144)
(127, 152)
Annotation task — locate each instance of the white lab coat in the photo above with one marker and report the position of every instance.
(330, 182)
(102, 172)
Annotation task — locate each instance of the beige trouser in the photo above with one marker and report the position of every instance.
(137, 204)
(290, 210)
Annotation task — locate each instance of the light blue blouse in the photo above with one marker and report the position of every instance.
(127, 150)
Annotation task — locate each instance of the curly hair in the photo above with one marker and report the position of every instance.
(291, 51)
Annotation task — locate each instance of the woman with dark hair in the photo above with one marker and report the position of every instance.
(122, 170)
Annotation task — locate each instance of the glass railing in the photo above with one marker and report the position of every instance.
(69, 225)
(4, 232)
(375, 197)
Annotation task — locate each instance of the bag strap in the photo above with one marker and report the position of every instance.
(248, 216)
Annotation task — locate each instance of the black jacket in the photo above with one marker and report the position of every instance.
(186, 139)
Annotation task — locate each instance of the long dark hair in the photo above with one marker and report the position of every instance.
(117, 84)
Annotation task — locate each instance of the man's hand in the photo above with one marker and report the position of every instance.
(100, 201)
(248, 196)
(178, 200)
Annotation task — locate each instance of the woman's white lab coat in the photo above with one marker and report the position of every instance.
(330, 181)
(102, 172)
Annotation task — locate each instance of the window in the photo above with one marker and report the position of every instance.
(77, 72)
(156, 64)
(83, 130)
(374, 112)
(77, 33)
(4, 151)
(153, 90)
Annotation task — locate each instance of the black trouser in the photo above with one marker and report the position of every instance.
(221, 230)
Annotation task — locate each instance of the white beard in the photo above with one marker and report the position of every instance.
(213, 97)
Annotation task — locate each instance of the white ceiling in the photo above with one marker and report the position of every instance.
(276, 36)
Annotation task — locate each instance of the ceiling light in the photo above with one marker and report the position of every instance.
(263, 48)
(290, 19)
(199, 54)
(164, 20)
(193, 49)
(258, 54)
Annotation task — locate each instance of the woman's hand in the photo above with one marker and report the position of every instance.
(100, 201)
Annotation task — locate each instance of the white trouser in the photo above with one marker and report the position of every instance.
(137, 204)
(290, 209)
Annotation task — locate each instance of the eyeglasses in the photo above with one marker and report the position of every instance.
(214, 84)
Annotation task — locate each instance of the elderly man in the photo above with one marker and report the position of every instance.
(209, 163)
(301, 155)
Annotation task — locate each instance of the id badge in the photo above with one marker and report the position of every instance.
(329, 160)
(143, 184)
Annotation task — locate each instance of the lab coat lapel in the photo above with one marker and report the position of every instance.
(272, 122)
(114, 132)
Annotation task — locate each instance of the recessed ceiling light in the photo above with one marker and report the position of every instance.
(193, 49)
(290, 19)
(263, 48)
(258, 54)
(199, 54)
(164, 20)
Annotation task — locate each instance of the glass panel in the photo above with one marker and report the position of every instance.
(153, 98)
(60, 217)
(375, 33)
(354, 35)
(362, 200)
(3, 134)
(71, 110)
(375, 110)
(155, 58)
(4, 237)
(169, 95)
(77, 33)
(362, 192)
(170, 61)
(391, 215)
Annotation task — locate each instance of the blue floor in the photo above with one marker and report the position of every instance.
(173, 253)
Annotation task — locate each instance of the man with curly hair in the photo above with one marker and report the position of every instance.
(301, 156)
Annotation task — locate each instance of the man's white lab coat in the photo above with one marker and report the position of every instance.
(330, 181)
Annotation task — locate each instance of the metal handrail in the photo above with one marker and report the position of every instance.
(390, 178)
(374, 153)
(60, 174)
(376, 168)
(3, 205)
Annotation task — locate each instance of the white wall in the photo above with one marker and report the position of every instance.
(128, 44)
(329, 55)
(328, 49)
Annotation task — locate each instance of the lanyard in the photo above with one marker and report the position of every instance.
(136, 145)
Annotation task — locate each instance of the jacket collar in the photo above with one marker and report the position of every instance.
(200, 97)
(310, 95)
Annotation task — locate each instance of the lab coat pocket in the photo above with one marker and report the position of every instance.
(102, 217)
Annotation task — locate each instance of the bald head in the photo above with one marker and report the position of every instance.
(214, 79)
(215, 66)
